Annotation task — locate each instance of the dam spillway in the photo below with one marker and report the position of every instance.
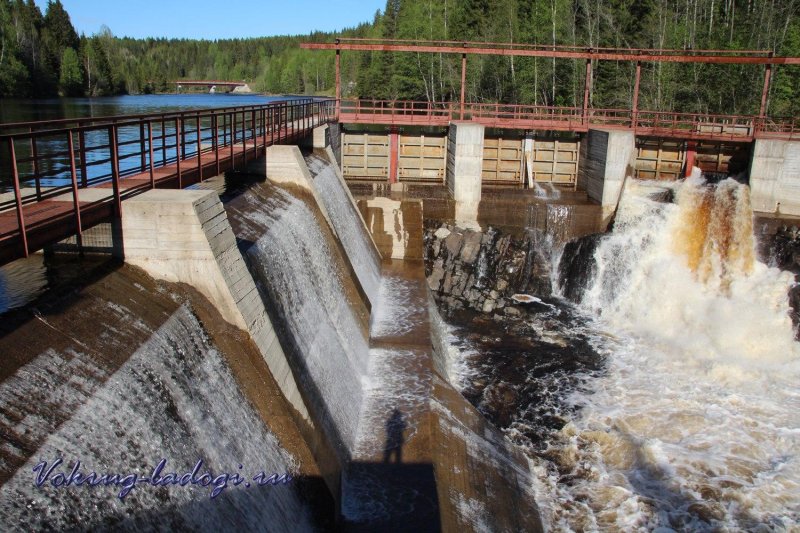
(485, 407)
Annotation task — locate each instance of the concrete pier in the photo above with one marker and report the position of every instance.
(775, 177)
(606, 160)
(465, 168)
(185, 237)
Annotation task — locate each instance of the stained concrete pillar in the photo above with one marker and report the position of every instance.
(607, 157)
(464, 169)
(775, 177)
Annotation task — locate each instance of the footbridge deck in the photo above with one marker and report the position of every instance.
(60, 178)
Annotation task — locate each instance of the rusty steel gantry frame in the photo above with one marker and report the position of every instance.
(736, 57)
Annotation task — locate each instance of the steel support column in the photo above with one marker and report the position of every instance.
(338, 81)
(587, 87)
(765, 92)
(635, 107)
(691, 153)
(463, 82)
(394, 155)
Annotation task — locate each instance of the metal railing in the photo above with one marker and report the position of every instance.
(40, 161)
(686, 126)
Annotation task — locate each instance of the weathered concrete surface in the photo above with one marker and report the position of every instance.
(465, 169)
(184, 236)
(395, 226)
(286, 165)
(607, 158)
(775, 177)
(481, 482)
(70, 328)
(319, 138)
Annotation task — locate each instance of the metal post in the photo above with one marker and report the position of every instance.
(463, 82)
(82, 150)
(163, 142)
(691, 152)
(394, 148)
(338, 79)
(141, 147)
(272, 123)
(232, 123)
(74, 176)
(635, 107)
(587, 84)
(35, 156)
(183, 139)
(264, 127)
(178, 149)
(215, 140)
(253, 130)
(199, 151)
(18, 198)
(764, 93)
(112, 133)
(150, 152)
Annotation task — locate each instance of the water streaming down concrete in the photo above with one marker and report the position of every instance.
(151, 384)
(346, 221)
(308, 282)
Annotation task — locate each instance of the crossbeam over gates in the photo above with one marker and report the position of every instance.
(62, 177)
(603, 117)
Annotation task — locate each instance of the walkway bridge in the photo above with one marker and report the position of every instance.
(209, 83)
(579, 147)
(60, 178)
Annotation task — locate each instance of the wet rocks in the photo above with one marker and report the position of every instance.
(784, 253)
(481, 269)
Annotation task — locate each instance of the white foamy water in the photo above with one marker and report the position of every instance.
(175, 398)
(696, 423)
(301, 266)
(347, 224)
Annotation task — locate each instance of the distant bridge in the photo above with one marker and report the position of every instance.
(209, 83)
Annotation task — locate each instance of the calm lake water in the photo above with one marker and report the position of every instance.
(19, 110)
(54, 164)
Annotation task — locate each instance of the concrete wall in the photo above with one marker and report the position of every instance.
(464, 169)
(184, 236)
(607, 158)
(775, 177)
(285, 165)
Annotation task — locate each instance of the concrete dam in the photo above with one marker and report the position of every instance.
(269, 319)
(254, 326)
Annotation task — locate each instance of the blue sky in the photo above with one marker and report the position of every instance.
(216, 19)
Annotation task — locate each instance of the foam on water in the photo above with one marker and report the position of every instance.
(695, 425)
(175, 398)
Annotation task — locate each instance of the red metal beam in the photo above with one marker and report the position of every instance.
(587, 87)
(635, 106)
(463, 82)
(669, 56)
(765, 92)
(338, 80)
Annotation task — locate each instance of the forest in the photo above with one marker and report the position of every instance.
(41, 55)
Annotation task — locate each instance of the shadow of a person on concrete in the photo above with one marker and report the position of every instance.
(395, 426)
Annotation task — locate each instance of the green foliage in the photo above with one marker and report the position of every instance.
(35, 59)
(71, 79)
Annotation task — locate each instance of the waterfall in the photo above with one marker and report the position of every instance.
(347, 223)
(175, 398)
(308, 282)
(694, 423)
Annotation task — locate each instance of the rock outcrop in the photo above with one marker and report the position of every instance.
(482, 270)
